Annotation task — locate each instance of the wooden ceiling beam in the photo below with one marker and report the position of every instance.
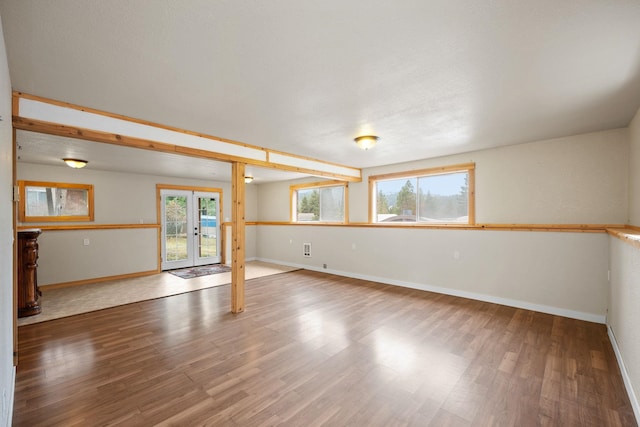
(36, 114)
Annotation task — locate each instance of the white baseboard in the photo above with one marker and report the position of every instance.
(589, 317)
(625, 375)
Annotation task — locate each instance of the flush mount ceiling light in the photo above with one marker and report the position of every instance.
(75, 163)
(367, 141)
(248, 179)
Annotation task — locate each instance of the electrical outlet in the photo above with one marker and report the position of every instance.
(85, 242)
(324, 265)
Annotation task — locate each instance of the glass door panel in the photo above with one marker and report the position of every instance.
(190, 228)
(176, 224)
(206, 236)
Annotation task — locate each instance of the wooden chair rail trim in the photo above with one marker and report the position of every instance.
(87, 227)
(613, 229)
(629, 235)
(568, 228)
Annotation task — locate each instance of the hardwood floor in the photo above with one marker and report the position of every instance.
(316, 349)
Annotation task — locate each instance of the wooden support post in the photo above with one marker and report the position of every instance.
(237, 237)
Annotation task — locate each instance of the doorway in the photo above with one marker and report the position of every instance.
(190, 228)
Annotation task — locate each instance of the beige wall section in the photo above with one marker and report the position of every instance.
(119, 199)
(634, 171)
(579, 179)
(624, 293)
(6, 242)
(573, 180)
(624, 312)
(273, 199)
(563, 273)
(251, 203)
(63, 257)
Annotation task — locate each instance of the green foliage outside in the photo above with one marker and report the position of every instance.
(406, 201)
(175, 211)
(382, 203)
(427, 206)
(176, 233)
(309, 204)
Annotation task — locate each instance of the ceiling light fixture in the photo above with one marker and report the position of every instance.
(75, 163)
(367, 141)
(248, 179)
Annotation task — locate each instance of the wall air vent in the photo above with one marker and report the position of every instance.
(306, 250)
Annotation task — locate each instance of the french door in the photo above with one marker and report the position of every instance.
(190, 228)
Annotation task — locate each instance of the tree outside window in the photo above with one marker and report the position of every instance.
(319, 202)
(428, 196)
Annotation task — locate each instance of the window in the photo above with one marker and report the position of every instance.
(319, 202)
(430, 196)
(55, 201)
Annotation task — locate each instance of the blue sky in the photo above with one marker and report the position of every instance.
(446, 184)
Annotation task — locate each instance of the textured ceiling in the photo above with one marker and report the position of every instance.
(429, 77)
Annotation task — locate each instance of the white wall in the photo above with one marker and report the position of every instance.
(63, 257)
(561, 273)
(273, 199)
(120, 198)
(573, 180)
(624, 294)
(7, 371)
(634, 171)
(624, 313)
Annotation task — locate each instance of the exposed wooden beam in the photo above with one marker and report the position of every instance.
(42, 115)
(237, 237)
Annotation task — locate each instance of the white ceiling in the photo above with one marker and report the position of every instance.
(429, 77)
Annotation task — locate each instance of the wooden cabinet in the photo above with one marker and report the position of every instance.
(28, 292)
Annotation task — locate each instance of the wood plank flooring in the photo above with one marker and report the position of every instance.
(314, 349)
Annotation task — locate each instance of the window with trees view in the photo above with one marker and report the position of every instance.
(431, 196)
(319, 202)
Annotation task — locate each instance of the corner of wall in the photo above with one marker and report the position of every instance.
(634, 170)
(7, 370)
